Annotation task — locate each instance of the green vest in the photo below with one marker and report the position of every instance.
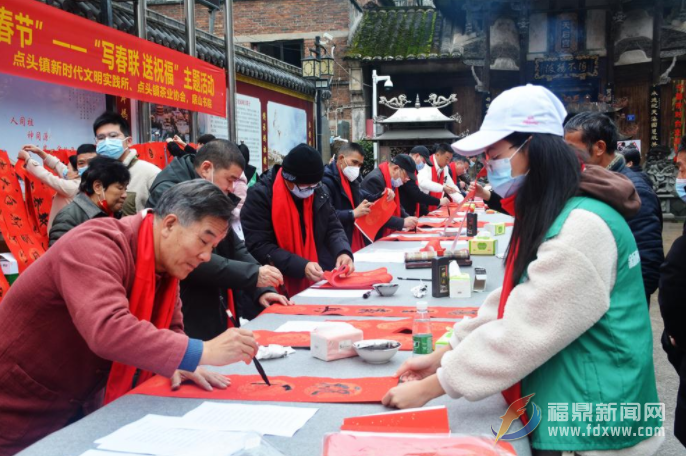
(610, 364)
(253, 180)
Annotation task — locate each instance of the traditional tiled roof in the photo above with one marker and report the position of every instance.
(403, 34)
(171, 33)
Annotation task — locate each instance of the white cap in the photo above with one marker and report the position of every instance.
(526, 109)
(422, 305)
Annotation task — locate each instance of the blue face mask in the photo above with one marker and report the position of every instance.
(500, 175)
(396, 182)
(471, 164)
(82, 170)
(111, 148)
(681, 189)
(420, 166)
(302, 194)
(64, 173)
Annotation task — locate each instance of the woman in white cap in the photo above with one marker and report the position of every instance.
(568, 333)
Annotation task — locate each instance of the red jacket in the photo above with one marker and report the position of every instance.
(64, 321)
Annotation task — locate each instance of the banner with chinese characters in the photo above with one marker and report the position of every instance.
(654, 105)
(566, 67)
(41, 42)
(677, 123)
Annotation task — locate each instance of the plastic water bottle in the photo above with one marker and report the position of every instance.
(422, 337)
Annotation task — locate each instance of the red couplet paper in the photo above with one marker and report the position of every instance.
(282, 389)
(430, 420)
(4, 287)
(380, 212)
(422, 238)
(154, 152)
(342, 444)
(356, 280)
(45, 43)
(38, 203)
(370, 311)
(22, 236)
(398, 330)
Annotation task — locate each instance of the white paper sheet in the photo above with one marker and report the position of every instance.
(264, 419)
(161, 435)
(109, 453)
(380, 256)
(306, 326)
(331, 293)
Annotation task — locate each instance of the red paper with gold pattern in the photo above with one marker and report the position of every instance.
(153, 152)
(430, 420)
(455, 313)
(398, 330)
(282, 389)
(380, 212)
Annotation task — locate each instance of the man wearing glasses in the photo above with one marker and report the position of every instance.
(113, 140)
(288, 221)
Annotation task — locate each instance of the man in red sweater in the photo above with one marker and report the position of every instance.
(102, 303)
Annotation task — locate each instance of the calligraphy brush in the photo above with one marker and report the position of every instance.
(258, 366)
(282, 287)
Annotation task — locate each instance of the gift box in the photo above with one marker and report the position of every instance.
(496, 229)
(483, 244)
(334, 342)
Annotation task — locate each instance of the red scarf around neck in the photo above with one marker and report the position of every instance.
(452, 168)
(515, 391)
(387, 178)
(357, 242)
(150, 300)
(286, 222)
(439, 180)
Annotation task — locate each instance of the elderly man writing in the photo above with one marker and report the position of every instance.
(94, 310)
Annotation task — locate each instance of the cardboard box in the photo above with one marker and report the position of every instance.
(482, 246)
(496, 229)
(10, 267)
(334, 342)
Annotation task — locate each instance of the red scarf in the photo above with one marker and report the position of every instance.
(436, 179)
(150, 300)
(452, 168)
(387, 178)
(515, 391)
(285, 216)
(358, 239)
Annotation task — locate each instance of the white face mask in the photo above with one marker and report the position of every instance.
(302, 194)
(396, 182)
(351, 172)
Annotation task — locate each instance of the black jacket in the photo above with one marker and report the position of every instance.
(176, 151)
(339, 200)
(203, 292)
(72, 215)
(374, 182)
(256, 218)
(673, 308)
(646, 227)
(638, 169)
(410, 195)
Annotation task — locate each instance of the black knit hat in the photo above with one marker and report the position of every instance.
(303, 165)
(424, 152)
(406, 163)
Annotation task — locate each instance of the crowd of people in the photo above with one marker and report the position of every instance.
(144, 264)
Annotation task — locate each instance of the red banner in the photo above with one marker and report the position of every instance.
(41, 42)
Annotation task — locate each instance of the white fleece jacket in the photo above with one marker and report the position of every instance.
(567, 292)
(142, 176)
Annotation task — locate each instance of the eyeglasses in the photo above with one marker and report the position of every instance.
(110, 135)
(311, 187)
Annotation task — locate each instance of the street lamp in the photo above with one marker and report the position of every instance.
(388, 85)
(318, 67)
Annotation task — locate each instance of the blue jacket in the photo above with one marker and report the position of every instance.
(646, 227)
